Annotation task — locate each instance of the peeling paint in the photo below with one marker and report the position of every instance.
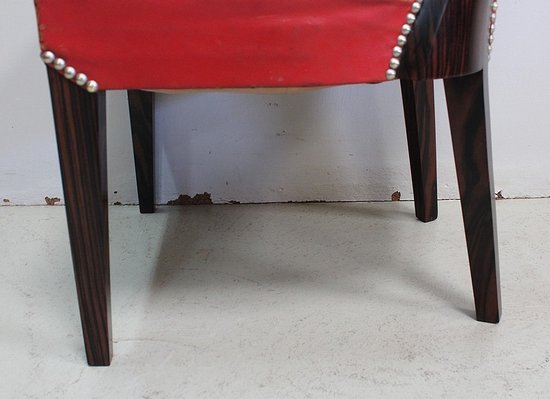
(5, 200)
(396, 196)
(499, 196)
(118, 203)
(198, 199)
(52, 200)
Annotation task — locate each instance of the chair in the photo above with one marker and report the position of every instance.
(93, 46)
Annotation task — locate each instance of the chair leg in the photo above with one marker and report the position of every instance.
(141, 104)
(80, 129)
(467, 103)
(418, 104)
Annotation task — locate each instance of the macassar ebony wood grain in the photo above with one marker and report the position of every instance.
(467, 103)
(449, 38)
(80, 130)
(141, 105)
(418, 104)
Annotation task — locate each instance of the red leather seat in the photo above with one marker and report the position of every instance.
(171, 44)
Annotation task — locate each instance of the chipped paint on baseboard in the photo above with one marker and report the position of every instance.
(198, 199)
(52, 200)
(396, 196)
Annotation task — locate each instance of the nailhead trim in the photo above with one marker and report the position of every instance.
(406, 29)
(492, 24)
(69, 72)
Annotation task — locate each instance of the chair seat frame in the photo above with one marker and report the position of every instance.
(449, 41)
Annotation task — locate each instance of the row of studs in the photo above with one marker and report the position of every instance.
(492, 22)
(391, 73)
(69, 72)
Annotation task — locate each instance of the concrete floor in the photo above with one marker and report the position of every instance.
(279, 301)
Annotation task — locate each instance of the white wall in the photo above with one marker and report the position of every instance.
(345, 143)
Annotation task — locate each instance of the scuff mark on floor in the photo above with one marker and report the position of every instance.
(198, 199)
(396, 196)
(52, 200)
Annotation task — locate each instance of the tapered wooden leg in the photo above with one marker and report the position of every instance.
(467, 102)
(80, 129)
(141, 105)
(418, 104)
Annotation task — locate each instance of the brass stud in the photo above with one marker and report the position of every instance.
(401, 40)
(59, 64)
(92, 86)
(81, 79)
(397, 51)
(69, 72)
(48, 57)
(394, 63)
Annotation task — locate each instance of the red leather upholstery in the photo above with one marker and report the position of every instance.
(172, 44)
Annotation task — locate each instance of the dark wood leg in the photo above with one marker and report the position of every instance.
(142, 120)
(80, 128)
(418, 104)
(467, 102)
